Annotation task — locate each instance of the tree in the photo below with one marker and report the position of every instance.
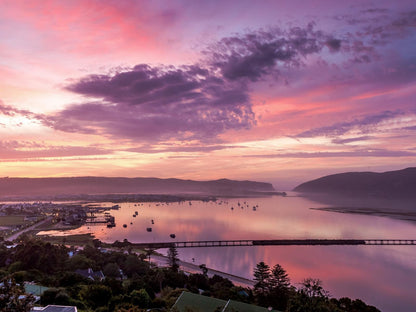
(262, 276)
(134, 266)
(96, 295)
(279, 287)
(173, 258)
(312, 287)
(204, 269)
(279, 278)
(111, 269)
(140, 298)
(13, 298)
(311, 297)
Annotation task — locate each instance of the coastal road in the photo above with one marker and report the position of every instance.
(188, 267)
(32, 227)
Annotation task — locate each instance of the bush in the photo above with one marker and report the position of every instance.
(140, 298)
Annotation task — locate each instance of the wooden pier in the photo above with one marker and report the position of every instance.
(276, 242)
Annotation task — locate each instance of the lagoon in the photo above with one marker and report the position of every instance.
(382, 276)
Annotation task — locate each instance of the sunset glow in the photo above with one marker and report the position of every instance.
(272, 90)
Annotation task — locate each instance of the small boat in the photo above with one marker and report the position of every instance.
(149, 229)
(124, 225)
(172, 235)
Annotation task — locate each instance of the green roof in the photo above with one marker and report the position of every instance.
(36, 290)
(189, 302)
(234, 306)
(197, 303)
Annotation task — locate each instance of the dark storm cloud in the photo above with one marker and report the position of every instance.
(364, 125)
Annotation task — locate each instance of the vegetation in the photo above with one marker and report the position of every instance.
(133, 284)
(273, 289)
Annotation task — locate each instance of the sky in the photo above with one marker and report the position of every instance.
(274, 91)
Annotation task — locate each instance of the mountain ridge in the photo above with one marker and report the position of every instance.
(10, 186)
(399, 184)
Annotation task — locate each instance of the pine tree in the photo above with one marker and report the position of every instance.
(173, 258)
(279, 278)
(279, 284)
(262, 276)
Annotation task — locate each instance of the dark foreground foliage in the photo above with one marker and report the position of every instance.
(131, 283)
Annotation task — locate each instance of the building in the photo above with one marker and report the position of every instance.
(54, 308)
(89, 273)
(192, 302)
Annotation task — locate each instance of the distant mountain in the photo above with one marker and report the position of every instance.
(104, 185)
(399, 184)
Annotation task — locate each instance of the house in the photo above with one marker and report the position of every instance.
(54, 308)
(192, 302)
(89, 273)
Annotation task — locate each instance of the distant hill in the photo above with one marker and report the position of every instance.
(399, 184)
(104, 185)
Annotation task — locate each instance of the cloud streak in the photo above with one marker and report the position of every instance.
(20, 150)
(366, 124)
(358, 153)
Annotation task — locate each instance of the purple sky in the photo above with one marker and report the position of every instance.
(275, 91)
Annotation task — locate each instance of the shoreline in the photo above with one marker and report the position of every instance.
(380, 212)
(188, 267)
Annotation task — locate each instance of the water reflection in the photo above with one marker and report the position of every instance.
(380, 275)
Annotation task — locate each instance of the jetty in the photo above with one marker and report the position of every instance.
(275, 242)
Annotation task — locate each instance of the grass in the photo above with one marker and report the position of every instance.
(11, 220)
(76, 239)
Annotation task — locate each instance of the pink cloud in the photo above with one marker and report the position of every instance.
(89, 28)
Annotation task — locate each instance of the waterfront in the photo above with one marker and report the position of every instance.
(380, 275)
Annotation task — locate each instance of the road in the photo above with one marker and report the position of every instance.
(32, 227)
(188, 267)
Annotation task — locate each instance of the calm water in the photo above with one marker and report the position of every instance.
(383, 276)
